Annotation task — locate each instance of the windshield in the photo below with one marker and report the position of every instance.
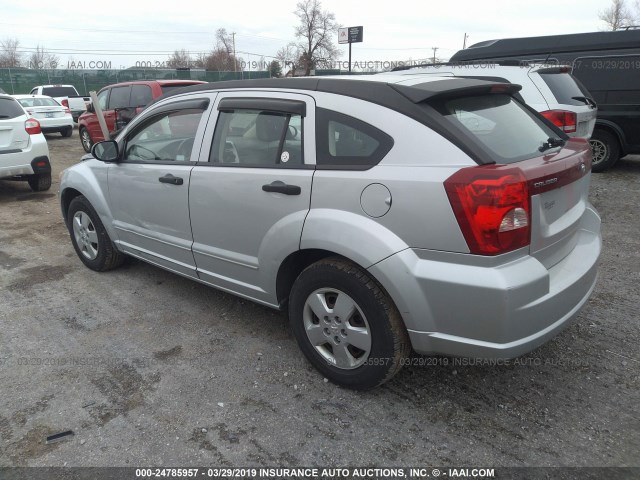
(506, 128)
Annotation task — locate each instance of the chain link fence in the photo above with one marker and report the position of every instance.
(16, 81)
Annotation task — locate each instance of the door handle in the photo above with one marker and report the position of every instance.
(281, 187)
(168, 178)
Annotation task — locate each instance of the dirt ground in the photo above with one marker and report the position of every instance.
(151, 369)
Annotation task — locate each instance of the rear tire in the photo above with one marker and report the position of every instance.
(39, 182)
(89, 237)
(67, 132)
(605, 149)
(346, 325)
(85, 139)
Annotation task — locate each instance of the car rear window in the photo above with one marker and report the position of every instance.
(564, 88)
(38, 102)
(506, 128)
(9, 108)
(59, 91)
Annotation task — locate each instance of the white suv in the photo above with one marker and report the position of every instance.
(24, 154)
(549, 89)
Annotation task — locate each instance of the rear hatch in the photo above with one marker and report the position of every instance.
(532, 189)
(571, 107)
(13, 136)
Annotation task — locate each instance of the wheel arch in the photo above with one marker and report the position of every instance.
(81, 180)
(613, 128)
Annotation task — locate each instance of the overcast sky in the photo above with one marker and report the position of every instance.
(126, 33)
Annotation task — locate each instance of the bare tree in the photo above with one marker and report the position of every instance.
(275, 70)
(179, 59)
(43, 60)
(9, 55)
(317, 32)
(288, 57)
(616, 16)
(221, 58)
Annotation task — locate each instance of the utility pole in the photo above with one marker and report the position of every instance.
(464, 43)
(235, 61)
(434, 54)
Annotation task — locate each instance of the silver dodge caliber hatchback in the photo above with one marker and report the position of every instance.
(386, 213)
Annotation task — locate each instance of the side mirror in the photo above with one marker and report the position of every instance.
(106, 151)
(90, 107)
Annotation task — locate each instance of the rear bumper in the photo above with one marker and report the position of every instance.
(55, 124)
(467, 306)
(25, 162)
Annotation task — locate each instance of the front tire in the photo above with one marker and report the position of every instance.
(39, 182)
(346, 325)
(89, 237)
(85, 139)
(605, 150)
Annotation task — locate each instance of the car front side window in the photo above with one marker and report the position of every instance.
(102, 99)
(166, 137)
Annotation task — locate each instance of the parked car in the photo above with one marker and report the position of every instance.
(52, 116)
(368, 208)
(607, 63)
(550, 90)
(24, 154)
(65, 95)
(120, 103)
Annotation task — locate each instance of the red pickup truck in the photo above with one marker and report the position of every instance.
(121, 102)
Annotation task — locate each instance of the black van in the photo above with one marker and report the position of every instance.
(607, 63)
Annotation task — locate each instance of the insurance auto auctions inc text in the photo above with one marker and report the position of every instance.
(365, 473)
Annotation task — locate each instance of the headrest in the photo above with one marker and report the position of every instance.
(269, 126)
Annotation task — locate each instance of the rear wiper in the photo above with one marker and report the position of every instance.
(589, 101)
(551, 143)
(4, 116)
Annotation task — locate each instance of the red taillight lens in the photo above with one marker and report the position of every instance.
(491, 204)
(32, 126)
(65, 103)
(565, 121)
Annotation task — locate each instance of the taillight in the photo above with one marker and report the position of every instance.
(565, 121)
(65, 104)
(492, 206)
(32, 126)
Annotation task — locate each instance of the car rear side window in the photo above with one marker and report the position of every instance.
(346, 142)
(564, 88)
(119, 97)
(258, 138)
(504, 127)
(10, 108)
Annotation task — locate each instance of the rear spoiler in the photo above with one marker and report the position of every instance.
(460, 87)
(563, 69)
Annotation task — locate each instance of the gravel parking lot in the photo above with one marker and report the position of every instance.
(148, 368)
